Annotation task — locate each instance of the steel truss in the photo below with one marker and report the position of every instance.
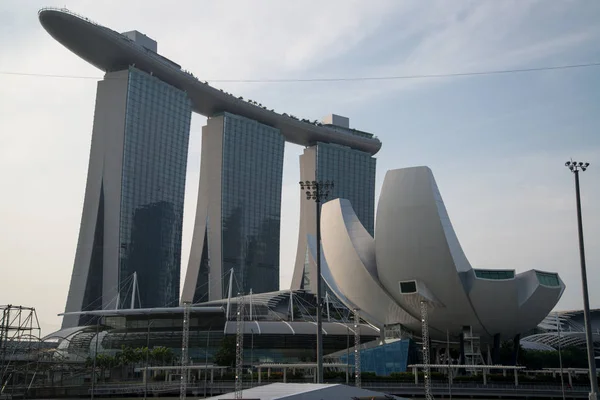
(19, 347)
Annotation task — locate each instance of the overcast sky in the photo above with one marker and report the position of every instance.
(496, 144)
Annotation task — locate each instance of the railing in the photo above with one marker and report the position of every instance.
(118, 36)
(219, 387)
(67, 11)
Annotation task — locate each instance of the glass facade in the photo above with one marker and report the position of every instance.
(353, 173)
(251, 179)
(206, 335)
(157, 126)
(383, 359)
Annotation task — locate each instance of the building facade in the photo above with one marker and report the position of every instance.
(238, 212)
(131, 223)
(133, 207)
(415, 259)
(353, 174)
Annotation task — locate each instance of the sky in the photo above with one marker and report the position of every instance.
(497, 144)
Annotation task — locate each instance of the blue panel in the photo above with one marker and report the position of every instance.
(384, 359)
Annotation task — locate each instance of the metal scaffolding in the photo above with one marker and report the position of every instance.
(19, 346)
(184, 351)
(426, 350)
(357, 367)
(239, 347)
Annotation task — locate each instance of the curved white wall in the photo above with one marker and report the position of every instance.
(415, 241)
(411, 244)
(350, 252)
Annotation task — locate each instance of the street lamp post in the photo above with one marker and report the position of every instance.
(575, 167)
(318, 191)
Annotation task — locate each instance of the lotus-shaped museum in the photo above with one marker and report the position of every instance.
(415, 257)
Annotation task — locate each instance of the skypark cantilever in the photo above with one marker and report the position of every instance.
(111, 51)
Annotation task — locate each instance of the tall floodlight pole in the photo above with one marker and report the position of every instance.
(575, 167)
(318, 191)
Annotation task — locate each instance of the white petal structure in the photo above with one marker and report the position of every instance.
(354, 272)
(416, 257)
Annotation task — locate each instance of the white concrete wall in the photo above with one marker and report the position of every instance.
(208, 213)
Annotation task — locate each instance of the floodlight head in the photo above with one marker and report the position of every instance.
(587, 164)
(566, 165)
(583, 168)
(580, 164)
(571, 167)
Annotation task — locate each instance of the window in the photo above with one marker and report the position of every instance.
(408, 287)
(494, 274)
(548, 279)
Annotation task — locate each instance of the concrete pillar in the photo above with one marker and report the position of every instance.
(516, 377)
(212, 375)
(504, 372)
(221, 372)
(347, 374)
(259, 374)
(496, 349)
(462, 349)
(269, 373)
(570, 378)
(284, 375)
(484, 376)
(416, 374)
(314, 375)
(144, 376)
(516, 345)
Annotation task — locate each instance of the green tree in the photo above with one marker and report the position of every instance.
(225, 356)
(161, 355)
(105, 362)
